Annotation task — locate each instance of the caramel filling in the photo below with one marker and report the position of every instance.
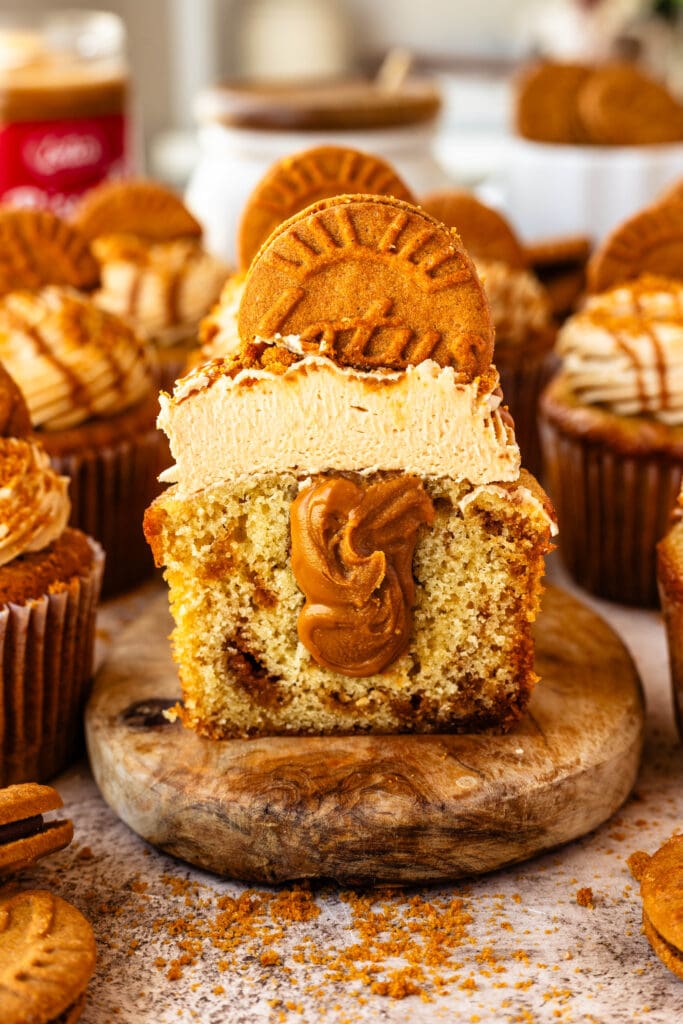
(352, 556)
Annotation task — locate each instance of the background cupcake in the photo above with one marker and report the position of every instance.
(612, 431)
(670, 580)
(91, 391)
(154, 268)
(50, 579)
(521, 310)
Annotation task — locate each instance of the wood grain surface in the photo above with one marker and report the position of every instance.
(390, 809)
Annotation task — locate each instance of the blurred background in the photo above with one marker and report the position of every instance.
(178, 47)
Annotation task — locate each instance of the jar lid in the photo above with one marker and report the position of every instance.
(337, 104)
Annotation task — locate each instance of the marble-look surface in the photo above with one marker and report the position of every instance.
(526, 950)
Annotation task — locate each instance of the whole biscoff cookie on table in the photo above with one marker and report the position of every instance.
(298, 181)
(621, 105)
(650, 242)
(485, 233)
(37, 248)
(145, 209)
(371, 281)
(546, 107)
(661, 888)
(47, 957)
(25, 835)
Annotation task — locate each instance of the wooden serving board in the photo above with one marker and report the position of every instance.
(391, 809)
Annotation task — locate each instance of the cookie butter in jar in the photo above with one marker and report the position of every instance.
(246, 127)
(63, 106)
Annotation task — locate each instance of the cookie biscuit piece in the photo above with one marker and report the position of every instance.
(620, 105)
(47, 957)
(37, 248)
(546, 107)
(651, 242)
(673, 194)
(25, 836)
(141, 208)
(661, 888)
(548, 252)
(485, 233)
(298, 181)
(371, 282)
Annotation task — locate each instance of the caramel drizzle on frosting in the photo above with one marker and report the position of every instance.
(352, 555)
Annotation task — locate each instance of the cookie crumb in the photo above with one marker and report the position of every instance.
(584, 897)
(637, 862)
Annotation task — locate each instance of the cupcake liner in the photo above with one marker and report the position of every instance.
(110, 489)
(522, 386)
(46, 662)
(611, 509)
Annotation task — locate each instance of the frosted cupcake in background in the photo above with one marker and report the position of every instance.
(50, 579)
(612, 431)
(90, 384)
(154, 268)
(520, 307)
(670, 580)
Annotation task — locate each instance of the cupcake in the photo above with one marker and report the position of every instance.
(91, 391)
(50, 577)
(612, 433)
(520, 307)
(154, 269)
(670, 581)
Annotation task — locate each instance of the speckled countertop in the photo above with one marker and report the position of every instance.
(516, 945)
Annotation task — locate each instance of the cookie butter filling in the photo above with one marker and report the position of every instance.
(34, 504)
(352, 556)
(316, 416)
(625, 350)
(164, 287)
(72, 360)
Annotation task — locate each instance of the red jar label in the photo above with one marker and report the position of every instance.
(49, 164)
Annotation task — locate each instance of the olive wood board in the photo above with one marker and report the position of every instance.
(358, 809)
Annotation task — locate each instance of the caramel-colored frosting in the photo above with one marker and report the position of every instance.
(218, 334)
(520, 308)
(352, 556)
(34, 503)
(165, 288)
(624, 350)
(72, 360)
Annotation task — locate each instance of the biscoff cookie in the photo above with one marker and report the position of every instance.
(650, 242)
(673, 194)
(298, 181)
(142, 208)
(25, 835)
(546, 103)
(548, 252)
(47, 957)
(38, 248)
(620, 105)
(372, 282)
(661, 889)
(485, 233)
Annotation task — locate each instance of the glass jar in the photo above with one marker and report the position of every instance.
(245, 128)
(63, 106)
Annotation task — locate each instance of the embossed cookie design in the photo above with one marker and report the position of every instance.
(142, 208)
(622, 106)
(352, 556)
(371, 282)
(547, 102)
(651, 242)
(47, 956)
(298, 181)
(484, 232)
(37, 248)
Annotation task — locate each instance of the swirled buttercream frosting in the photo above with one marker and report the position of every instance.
(624, 350)
(72, 360)
(520, 308)
(34, 503)
(164, 288)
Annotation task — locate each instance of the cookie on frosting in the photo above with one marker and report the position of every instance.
(47, 957)
(298, 181)
(650, 242)
(485, 233)
(25, 835)
(142, 208)
(370, 281)
(38, 248)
